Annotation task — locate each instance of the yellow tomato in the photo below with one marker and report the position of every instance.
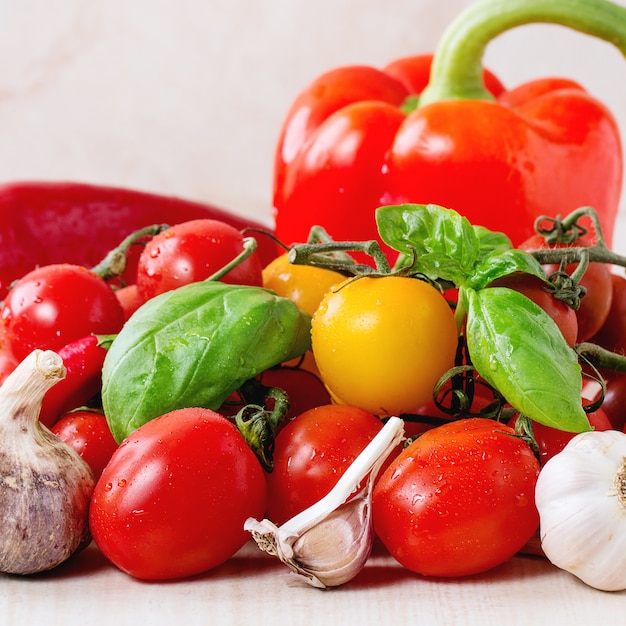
(382, 343)
(302, 284)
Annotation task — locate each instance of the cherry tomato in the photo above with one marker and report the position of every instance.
(551, 441)
(54, 305)
(614, 403)
(89, 434)
(193, 251)
(533, 288)
(304, 389)
(312, 452)
(612, 334)
(305, 285)
(459, 500)
(382, 343)
(595, 304)
(173, 499)
(129, 299)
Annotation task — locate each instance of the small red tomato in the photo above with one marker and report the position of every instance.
(533, 288)
(129, 299)
(56, 304)
(595, 304)
(303, 388)
(173, 499)
(89, 434)
(551, 441)
(459, 500)
(312, 452)
(193, 251)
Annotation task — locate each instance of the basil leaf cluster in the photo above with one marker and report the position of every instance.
(512, 342)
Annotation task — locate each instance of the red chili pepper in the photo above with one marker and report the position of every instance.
(358, 138)
(45, 223)
(83, 361)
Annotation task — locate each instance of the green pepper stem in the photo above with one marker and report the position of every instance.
(457, 65)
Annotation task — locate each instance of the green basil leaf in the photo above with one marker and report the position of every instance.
(517, 347)
(491, 241)
(499, 263)
(194, 346)
(444, 243)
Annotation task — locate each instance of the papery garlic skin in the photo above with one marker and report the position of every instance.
(45, 485)
(581, 499)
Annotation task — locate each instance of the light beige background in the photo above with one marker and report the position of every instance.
(186, 97)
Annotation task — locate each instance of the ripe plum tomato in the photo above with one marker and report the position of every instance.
(53, 305)
(459, 500)
(383, 343)
(533, 288)
(192, 251)
(312, 452)
(304, 285)
(614, 403)
(89, 434)
(129, 299)
(595, 304)
(173, 499)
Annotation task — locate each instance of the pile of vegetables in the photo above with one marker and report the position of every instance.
(422, 376)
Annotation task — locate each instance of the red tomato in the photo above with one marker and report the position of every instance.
(174, 497)
(89, 434)
(129, 299)
(533, 288)
(612, 334)
(312, 452)
(56, 304)
(595, 304)
(193, 251)
(459, 500)
(614, 403)
(551, 441)
(304, 389)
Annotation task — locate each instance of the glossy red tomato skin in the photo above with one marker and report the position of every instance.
(459, 500)
(551, 441)
(596, 303)
(193, 251)
(612, 334)
(54, 305)
(89, 434)
(173, 499)
(532, 287)
(312, 452)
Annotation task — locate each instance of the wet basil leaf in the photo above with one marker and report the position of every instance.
(517, 347)
(194, 346)
(445, 245)
(501, 263)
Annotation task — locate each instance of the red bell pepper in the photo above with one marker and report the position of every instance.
(449, 134)
(43, 223)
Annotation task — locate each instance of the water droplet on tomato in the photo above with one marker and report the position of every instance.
(121, 483)
(108, 486)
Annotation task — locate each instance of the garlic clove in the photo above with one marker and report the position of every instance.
(329, 543)
(45, 485)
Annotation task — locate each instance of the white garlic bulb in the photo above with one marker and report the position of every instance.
(45, 485)
(329, 543)
(581, 499)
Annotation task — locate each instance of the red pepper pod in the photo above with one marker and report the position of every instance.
(42, 223)
(448, 133)
(83, 360)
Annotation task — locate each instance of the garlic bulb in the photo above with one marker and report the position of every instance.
(45, 485)
(581, 498)
(329, 543)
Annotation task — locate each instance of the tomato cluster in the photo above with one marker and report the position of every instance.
(172, 498)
